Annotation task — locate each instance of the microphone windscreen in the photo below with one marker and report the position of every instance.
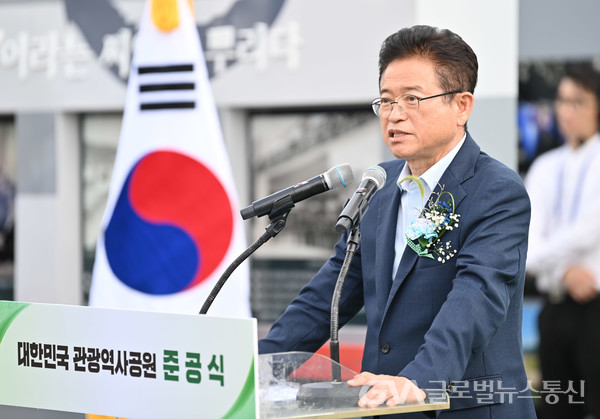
(339, 176)
(377, 174)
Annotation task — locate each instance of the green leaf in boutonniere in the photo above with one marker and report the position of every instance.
(424, 234)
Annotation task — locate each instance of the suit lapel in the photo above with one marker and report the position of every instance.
(386, 235)
(461, 169)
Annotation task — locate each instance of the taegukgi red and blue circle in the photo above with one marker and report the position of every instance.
(171, 226)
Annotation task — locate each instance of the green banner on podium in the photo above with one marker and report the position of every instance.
(127, 363)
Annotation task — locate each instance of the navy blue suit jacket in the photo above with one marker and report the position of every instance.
(454, 325)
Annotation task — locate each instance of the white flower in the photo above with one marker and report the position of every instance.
(437, 217)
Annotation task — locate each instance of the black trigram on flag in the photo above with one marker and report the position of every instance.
(174, 81)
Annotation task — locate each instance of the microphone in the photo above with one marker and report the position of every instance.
(373, 179)
(335, 178)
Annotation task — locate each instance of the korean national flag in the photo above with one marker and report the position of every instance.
(171, 224)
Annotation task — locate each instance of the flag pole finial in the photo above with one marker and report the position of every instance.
(165, 14)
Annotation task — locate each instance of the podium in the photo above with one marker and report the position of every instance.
(283, 375)
(136, 364)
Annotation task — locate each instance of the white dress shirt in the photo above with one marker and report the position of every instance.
(408, 210)
(564, 188)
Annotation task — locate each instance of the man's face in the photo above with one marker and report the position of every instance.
(422, 137)
(576, 112)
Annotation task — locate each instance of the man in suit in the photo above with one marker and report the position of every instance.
(450, 320)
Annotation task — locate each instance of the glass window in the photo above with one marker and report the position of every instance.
(100, 137)
(288, 148)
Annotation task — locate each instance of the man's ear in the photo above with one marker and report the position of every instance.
(464, 103)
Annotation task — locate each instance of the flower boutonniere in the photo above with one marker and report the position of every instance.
(438, 216)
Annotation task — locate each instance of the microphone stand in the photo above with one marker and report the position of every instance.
(335, 393)
(278, 217)
(334, 343)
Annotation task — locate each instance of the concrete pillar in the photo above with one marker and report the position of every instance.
(47, 209)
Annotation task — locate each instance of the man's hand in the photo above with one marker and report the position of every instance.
(387, 388)
(580, 284)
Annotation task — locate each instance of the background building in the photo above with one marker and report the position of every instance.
(293, 89)
(293, 80)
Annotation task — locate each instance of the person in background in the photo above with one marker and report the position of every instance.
(564, 253)
(444, 316)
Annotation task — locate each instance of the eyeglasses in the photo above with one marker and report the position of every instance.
(576, 103)
(406, 103)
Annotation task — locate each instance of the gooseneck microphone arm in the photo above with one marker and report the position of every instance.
(213, 293)
(278, 206)
(278, 217)
(336, 392)
(348, 221)
(334, 344)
